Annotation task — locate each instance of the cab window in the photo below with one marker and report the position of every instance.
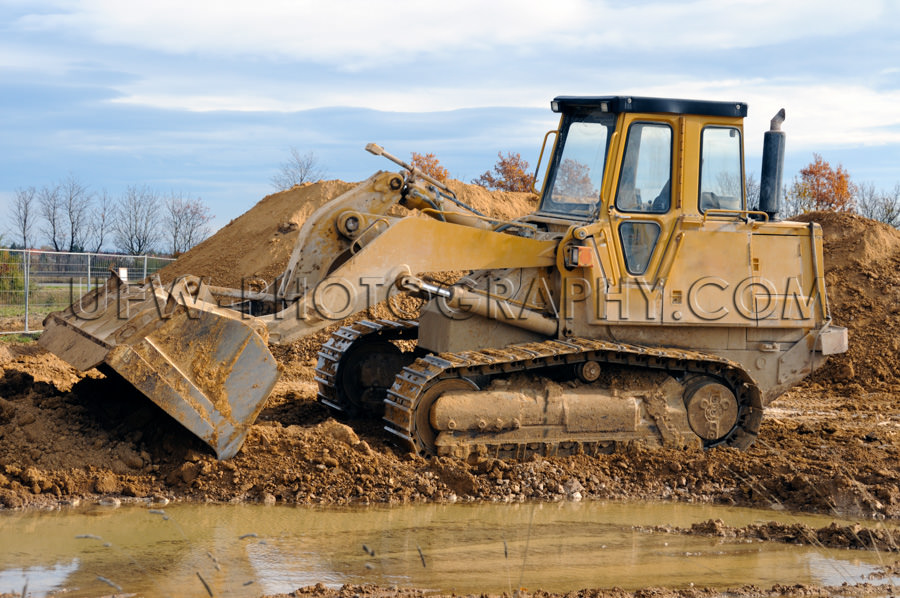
(576, 176)
(645, 180)
(721, 175)
(638, 240)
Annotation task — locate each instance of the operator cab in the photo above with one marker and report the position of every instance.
(643, 139)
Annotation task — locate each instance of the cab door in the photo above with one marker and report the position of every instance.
(640, 218)
(644, 193)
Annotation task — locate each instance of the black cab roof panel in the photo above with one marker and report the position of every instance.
(616, 104)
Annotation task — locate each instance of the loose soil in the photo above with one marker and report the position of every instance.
(830, 445)
(833, 536)
(776, 591)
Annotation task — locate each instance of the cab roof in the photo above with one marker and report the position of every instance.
(616, 104)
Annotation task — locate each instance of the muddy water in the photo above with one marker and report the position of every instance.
(245, 550)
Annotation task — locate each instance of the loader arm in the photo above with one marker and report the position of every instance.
(407, 246)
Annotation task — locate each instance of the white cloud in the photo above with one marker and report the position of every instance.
(287, 97)
(410, 56)
(354, 33)
(27, 59)
(818, 115)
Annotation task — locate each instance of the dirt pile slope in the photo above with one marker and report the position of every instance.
(259, 243)
(862, 262)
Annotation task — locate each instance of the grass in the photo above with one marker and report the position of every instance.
(40, 302)
(19, 338)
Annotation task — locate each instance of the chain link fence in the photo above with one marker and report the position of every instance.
(34, 283)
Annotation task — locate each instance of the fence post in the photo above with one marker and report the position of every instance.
(27, 260)
(144, 277)
(89, 273)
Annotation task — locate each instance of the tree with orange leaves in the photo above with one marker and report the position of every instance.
(821, 187)
(430, 165)
(510, 174)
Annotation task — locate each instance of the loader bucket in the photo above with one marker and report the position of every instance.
(208, 367)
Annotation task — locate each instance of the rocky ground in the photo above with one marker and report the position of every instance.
(793, 591)
(831, 445)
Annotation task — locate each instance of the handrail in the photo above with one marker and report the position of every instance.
(537, 168)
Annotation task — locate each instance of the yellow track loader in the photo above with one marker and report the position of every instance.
(642, 301)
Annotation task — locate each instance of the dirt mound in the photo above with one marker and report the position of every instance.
(503, 205)
(862, 263)
(258, 244)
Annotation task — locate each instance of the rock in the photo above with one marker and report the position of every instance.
(110, 501)
(456, 477)
(106, 483)
(193, 455)
(130, 457)
(187, 472)
(269, 499)
(36, 480)
(844, 371)
(10, 499)
(572, 486)
(339, 432)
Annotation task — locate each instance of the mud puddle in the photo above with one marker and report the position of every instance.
(241, 550)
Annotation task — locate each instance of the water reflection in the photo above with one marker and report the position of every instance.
(37, 580)
(241, 550)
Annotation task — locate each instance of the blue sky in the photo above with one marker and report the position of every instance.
(207, 97)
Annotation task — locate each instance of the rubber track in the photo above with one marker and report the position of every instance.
(414, 380)
(341, 341)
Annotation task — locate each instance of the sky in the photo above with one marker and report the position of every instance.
(207, 98)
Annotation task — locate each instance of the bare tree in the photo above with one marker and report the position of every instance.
(186, 222)
(76, 201)
(879, 205)
(24, 214)
(100, 220)
(135, 223)
(53, 212)
(752, 186)
(299, 168)
(730, 184)
(199, 218)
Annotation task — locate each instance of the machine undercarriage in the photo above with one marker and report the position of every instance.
(549, 398)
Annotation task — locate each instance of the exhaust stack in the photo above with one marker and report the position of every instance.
(772, 167)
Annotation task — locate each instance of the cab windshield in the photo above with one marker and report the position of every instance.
(576, 173)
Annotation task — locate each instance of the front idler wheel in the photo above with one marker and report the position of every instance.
(423, 434)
